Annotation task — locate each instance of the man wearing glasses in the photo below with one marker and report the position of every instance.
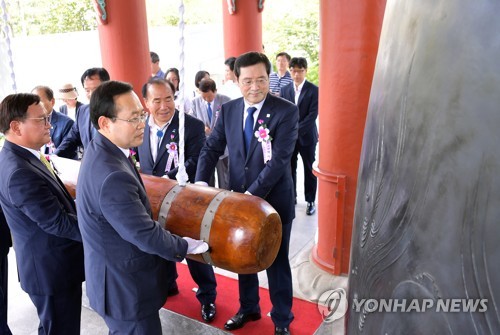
(126, 252)
(60, 123)
(282, 76)
(41, 216)
(260, 131)
(305, 95)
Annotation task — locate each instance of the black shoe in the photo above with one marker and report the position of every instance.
(311, 209)
(281, 331)
(173, 290)
(239, 320)
(208, 312)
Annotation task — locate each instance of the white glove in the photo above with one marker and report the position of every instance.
(165, 176)
(202, 183)
(196, 246)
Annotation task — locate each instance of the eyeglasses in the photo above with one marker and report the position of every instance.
(134, 120)
(250, 82)
(44, 119)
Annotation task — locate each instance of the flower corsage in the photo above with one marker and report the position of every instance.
(173, 154)
(262, 135)
(134, 159)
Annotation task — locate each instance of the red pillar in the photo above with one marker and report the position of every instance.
(124, 41)
(350, 32)
(243, 28)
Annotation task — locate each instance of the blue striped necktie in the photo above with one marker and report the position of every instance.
(248, 132)
(209, 112)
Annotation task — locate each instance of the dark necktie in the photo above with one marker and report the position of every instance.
(248, 132)
(209, 112)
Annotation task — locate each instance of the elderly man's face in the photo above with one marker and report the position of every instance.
(160, 102)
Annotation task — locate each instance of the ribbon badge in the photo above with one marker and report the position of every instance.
(262, 135)
(173, 154)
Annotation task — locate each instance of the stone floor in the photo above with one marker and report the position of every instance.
(309, 283)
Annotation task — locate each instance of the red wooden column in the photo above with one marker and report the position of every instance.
(350, 32)
(242, 28)
(123, 36)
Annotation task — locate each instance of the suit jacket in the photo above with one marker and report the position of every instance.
(81, 133)
(125, 250)
(194, 138)
(247, 172)
(42, 218)
(308, 111)
(60, 128)
(199, 108)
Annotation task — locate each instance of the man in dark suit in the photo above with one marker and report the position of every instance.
(162, 129)
(5, 244)
(126, 251)
(305, 95)
(61, 124)
(41, 216)
(83, 131)
(260, 131)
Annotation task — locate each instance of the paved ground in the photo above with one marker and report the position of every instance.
(309, 281)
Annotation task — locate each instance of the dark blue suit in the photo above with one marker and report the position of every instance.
(125, 250)
(80, 135)
(194, 138)
(42, 218)
(60, 127)
(271, 181)
(308, 135)
(5, 244)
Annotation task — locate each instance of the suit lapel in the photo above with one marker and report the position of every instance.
(53, 123)
(291, 92)
(214, 111)
(235, 118)
(37, 164)
(113, 150)
(304, 91)
(147, 143)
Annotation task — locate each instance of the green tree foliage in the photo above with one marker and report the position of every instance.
(166, 12)
(293, 26)
(288, 25)
(33, 17)
(66, 16)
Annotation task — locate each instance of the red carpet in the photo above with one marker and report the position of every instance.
(307, 317)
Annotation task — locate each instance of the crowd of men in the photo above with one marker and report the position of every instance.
(250, 139)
